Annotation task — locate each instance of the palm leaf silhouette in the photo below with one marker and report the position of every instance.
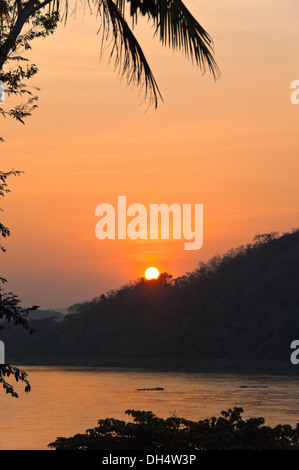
(176, 28)
(128, 56)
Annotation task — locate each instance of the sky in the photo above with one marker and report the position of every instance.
(231, 146)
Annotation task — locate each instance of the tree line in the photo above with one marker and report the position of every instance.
(237, 310)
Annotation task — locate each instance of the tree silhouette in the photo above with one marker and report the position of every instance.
(148, 432)
(238, 312)
(22, 21)
(10, 309)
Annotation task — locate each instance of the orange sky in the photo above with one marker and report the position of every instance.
(232, 146)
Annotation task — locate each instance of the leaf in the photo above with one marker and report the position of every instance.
(128, 56)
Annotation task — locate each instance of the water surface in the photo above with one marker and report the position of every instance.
(66, 401)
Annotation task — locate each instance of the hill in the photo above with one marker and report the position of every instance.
(237, 312)
(42, 314)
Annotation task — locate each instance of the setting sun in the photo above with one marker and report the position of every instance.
(151, 273)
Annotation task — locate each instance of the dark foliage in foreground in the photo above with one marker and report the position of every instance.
(243, 306)
(148, 432)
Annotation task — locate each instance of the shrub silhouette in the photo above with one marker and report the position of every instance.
(148, 432)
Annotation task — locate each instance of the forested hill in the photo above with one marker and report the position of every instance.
(236, 312)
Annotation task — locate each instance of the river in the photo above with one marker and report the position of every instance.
(65, 401)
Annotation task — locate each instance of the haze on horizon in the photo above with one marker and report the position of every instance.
(230, 145)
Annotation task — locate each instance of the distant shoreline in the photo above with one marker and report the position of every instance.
(206, 367)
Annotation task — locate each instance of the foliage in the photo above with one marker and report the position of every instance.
(10, 310)
(148, 432)
(5, 371)
(13, 73)
(22, 21)
(235, 309)
(14, 78)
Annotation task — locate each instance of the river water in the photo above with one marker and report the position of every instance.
(65, 401)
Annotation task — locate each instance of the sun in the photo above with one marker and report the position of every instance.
(151, 273)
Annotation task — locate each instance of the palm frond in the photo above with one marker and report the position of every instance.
(178, 29)
(128, 56)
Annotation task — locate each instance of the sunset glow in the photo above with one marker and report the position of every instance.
(214, 144)
(151, 273)
(149, 227)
